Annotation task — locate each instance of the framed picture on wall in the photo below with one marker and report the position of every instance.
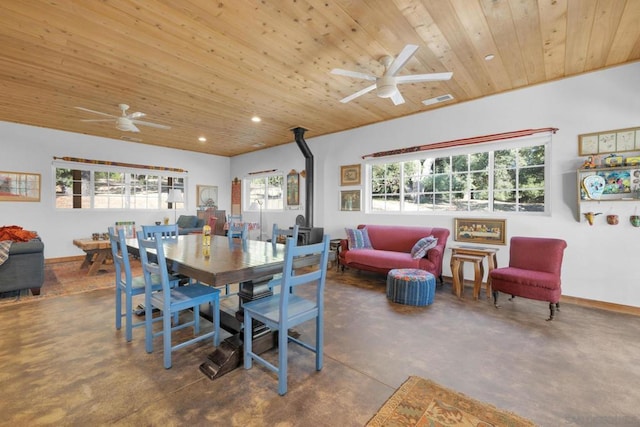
(350, 200)
(293, 188)
(350, 175)
(474, 230)
(207, 195)
(19, 187)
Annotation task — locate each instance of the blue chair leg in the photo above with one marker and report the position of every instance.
(166, 338)
(148, 323)
(129, 317)
(196, 320)
(319, 341)
(283, 343)
(118, 307)
(248, 360)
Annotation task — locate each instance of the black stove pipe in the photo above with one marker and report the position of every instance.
(298, 132)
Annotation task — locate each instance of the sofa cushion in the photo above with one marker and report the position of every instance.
(187, 221)
(358, 238)
(421, 247)
(381, 259)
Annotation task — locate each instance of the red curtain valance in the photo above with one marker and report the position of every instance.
(461, 142)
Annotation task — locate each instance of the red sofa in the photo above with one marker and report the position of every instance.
(392, 249)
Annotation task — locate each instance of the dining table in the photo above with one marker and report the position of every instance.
(249, 263)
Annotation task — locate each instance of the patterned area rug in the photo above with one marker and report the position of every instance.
(420, 402)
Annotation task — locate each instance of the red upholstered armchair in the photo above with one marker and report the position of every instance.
(533, 271)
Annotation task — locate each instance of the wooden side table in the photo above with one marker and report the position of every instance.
(477, 251)
(457, 270)
(97, 253)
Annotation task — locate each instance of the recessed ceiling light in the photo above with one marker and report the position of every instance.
(256, 119)
(258, 144)
(202, 139)
(489, 57)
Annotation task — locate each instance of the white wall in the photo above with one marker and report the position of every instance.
(31, 149)
(600, 259)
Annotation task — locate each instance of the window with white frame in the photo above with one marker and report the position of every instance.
(89, 186)
(265, 192)
(481, 178)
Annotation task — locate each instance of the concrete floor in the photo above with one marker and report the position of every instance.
(63, 363)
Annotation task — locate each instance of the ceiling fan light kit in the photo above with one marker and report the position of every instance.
(387, 85)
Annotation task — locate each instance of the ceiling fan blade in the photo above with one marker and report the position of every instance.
(153, 125)
(357, 94)
(133, 128)
(135, 115)
(406, 54)
(96, 120)
(397, 98)
(354, 74)
(416, 78)
(95, 112)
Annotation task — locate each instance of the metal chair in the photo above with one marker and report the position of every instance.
(286, 310)
(126, 284)
(172, 300)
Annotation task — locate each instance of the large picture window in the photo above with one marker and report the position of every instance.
(499, 180)
(110, 187)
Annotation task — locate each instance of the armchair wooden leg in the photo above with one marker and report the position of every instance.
(552, 309)
(495, 299)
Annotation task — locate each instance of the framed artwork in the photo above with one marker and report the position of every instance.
(350, 175)
(474, 230)
(350, 200)
(293, 188)
(19, 187)
(610, 141)
(207, 195)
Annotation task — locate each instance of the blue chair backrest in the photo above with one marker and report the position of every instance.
(167, 231)
(239, 230)
(316, 274)
(286, 232)
(120, 254)
(159, 266)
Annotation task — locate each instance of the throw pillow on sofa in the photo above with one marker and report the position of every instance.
(421, 247)
(358, 238)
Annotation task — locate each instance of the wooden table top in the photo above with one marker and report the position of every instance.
(226, 263)
(90, 244)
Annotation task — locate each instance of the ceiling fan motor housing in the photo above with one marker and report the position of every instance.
(386, 86)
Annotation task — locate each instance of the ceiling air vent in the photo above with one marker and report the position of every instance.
(441, 98)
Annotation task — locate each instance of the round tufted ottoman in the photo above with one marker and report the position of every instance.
(411, 286)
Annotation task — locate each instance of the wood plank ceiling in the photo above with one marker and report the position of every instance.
(205, 67)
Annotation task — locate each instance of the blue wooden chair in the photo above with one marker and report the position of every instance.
(238, 230)
(286, 310)
(126, 284)
(167, 231)
(284, 232)
(173, 300)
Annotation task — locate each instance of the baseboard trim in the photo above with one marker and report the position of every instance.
(64, 259)
(583, 302)
(618, 308)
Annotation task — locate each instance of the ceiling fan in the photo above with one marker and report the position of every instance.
(125, 122)
(386, 86)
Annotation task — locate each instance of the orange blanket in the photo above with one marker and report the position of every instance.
(16, 234)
